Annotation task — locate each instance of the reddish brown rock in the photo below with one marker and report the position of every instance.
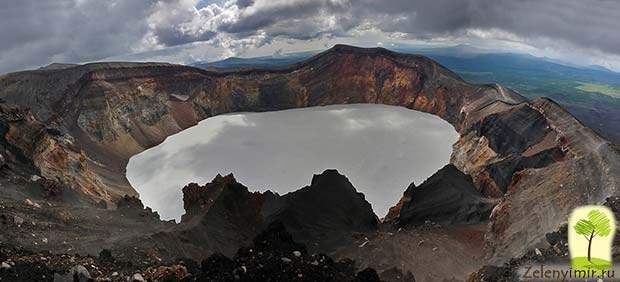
(107, 112)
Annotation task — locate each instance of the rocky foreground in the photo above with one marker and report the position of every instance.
(66, 134)
(273, 256)
(221, 216)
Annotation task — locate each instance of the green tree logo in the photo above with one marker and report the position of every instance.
(592, 229)
(597, 224)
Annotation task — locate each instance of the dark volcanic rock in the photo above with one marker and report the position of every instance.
(276, 239)
(51, 189)
(223, 196)
(222, 215)
(275, 256)
(502, 172)
(368, 274)
(12, 156)
(396, 275)
(130, 205)
(515, 130)
(27, 271)
(80, 274)
(105, 256)
(324, 214)
(223, 199)
(447, 197)
(493, 273)
(217, 267)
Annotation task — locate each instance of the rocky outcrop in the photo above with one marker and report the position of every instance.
(223, 197)
(447, 197)
(31, 149)
(273, 255)
(276, 256)
(132, 206)
(221, 216)
(325, 214)
(14, 121)
(545, 195)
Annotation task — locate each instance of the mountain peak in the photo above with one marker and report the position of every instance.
(58, 66)
(199, 199)
(329, 175)
(448, 196)
(351, 48)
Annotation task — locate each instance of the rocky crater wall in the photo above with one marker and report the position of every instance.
(533, 156)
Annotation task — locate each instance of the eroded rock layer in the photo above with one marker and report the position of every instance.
(84, 122)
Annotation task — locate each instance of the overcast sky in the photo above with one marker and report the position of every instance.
(38, 32)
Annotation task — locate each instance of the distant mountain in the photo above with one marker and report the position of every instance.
(600, 68)
(461, 51)
(57, 66)
(257, 62)
(591, 94)
(514, 64)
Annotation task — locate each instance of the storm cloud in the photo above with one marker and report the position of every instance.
(591, 24)
(39, 32)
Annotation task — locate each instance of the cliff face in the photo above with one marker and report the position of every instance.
(323, 215)
(533, 155)
(447, 197)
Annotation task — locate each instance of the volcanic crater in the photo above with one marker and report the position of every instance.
(518, 168)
